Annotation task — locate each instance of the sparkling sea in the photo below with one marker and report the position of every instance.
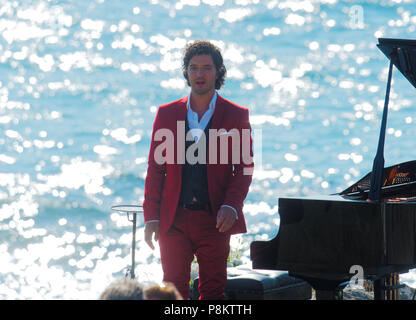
(80, 83)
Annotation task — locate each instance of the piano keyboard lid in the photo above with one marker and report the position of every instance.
(399, 182)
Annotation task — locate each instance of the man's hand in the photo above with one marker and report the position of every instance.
(225, 219)
(151, 228)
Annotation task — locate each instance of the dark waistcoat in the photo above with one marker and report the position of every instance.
(194, 176)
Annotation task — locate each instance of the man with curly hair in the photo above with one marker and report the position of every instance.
(193, 204)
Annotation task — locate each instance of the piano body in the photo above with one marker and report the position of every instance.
(371, 224)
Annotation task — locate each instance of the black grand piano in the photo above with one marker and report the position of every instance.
(371, 225)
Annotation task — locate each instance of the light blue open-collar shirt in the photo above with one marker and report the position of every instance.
(197, 126)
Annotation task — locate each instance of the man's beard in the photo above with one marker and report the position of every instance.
(203, 90)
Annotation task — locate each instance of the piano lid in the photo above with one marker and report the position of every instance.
(402, 52)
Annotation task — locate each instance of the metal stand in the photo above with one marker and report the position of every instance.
(133, 244)
(130, 209)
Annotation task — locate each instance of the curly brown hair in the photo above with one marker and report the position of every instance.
(199, 47)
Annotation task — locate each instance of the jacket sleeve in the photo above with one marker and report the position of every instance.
(240, 181)
(155, 177)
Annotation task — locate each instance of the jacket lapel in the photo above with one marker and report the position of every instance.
(218, 113)
(216, 124)
(181, 110)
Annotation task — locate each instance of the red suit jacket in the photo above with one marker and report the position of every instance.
(228, 183)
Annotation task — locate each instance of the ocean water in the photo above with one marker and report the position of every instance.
(80, 82)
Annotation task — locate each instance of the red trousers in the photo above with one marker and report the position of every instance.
(194, 233)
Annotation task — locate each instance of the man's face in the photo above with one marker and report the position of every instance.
(202, 74)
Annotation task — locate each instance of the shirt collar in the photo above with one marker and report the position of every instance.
(212, 103)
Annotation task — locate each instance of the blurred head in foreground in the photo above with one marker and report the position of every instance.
(156, 292)
(123, 289)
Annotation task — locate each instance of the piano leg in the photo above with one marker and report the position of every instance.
(379, 286)
(336, 294)
(325, 289)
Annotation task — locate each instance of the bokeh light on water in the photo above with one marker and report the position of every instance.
(80, 83)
